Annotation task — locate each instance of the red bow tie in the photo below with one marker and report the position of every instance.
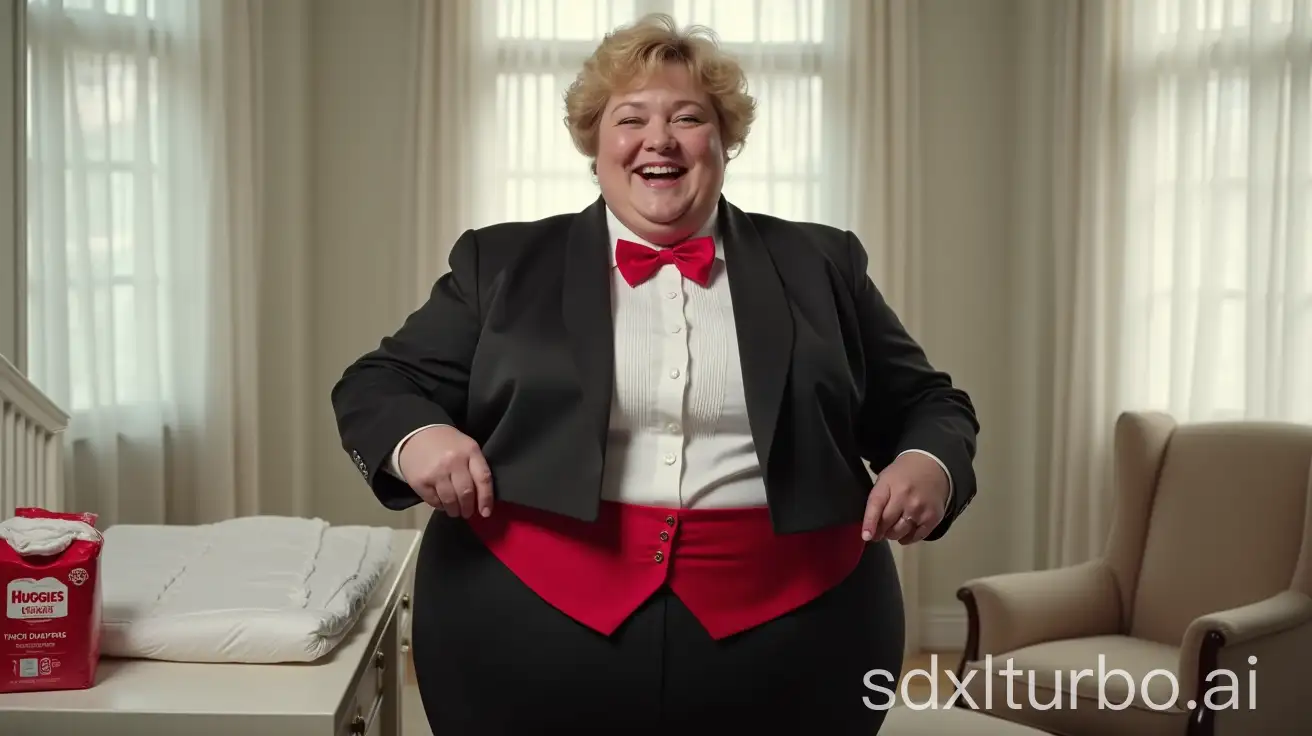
(693, 258)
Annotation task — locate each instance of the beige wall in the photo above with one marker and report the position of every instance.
(286, 350)
(360, 61)
(359, 55)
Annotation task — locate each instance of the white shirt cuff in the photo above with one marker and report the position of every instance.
(394, 466)
(947, 505)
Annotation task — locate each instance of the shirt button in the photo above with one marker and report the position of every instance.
(669, 521)
(671, 294)
(665, 536)
(674, 373)
(659, 556)
(672, 427)
(676, 329)
(669, 459)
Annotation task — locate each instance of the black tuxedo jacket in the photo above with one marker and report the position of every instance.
(515, 348)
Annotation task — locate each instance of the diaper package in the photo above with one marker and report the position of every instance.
(50, 574)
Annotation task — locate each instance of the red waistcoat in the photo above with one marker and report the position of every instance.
(728, 566)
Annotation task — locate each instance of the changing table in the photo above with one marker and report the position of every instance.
(355, 690)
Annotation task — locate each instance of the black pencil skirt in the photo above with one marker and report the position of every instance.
(493, 659)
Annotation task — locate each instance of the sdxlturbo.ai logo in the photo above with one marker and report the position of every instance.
(1116, 688)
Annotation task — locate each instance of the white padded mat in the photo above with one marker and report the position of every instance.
(258, 589)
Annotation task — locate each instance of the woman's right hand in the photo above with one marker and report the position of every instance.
(447, 469)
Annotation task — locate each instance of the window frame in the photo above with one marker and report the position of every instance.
(95, 32)
(1211, 54)
(801, 60)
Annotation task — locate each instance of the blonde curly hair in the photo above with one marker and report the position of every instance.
(629, 55)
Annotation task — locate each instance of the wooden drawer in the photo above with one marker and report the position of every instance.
(376, 690)
(375, 707)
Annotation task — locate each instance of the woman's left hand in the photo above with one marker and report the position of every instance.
(908, 501)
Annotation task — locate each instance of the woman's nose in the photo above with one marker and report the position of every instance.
(659, 138)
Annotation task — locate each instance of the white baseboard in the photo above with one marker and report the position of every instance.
(943, 628)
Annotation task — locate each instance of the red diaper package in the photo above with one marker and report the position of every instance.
(50, 574)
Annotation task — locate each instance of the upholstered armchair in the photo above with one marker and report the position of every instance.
(1208, 568)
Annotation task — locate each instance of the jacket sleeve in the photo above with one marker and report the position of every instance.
(416, 377)
(909, 405)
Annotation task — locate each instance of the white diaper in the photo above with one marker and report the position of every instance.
(45, 536)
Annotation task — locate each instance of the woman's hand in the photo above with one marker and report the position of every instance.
(908, 501)
(447, 469)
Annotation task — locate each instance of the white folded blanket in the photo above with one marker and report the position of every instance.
(258, 589)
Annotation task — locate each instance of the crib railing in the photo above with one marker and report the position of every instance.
(31, 446)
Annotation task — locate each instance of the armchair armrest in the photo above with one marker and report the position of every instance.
(1014, 610)
(1217, 661)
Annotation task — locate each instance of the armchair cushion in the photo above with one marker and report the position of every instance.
(1016, 610)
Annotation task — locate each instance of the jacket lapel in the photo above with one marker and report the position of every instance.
(764, 322)
(586, 305)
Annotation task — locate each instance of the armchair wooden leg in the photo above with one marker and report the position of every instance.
(1202, 722)
(971, 651)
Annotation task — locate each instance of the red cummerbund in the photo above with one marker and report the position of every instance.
(728, 566)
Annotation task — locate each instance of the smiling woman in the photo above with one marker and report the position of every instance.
(660, 121)
(646, 424)
(659, 155)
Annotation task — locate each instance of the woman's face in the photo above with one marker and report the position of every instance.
(660, 160)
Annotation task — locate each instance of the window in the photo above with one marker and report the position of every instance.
(1219, 247)
(538, 47)
(96, 194)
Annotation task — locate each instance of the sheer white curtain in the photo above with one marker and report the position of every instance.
(1218, 228)
(144, 215)
(1165, 248)
(1065, 280)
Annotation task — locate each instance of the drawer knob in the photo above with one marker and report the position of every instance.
(358, 725)
(405, 601)
(380, 660)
